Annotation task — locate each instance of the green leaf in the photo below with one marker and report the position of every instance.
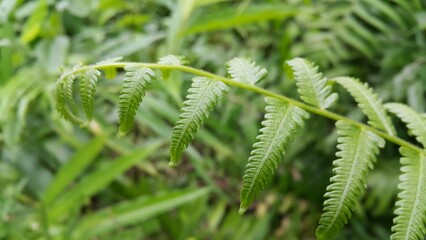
(32, 26)
(282, 121)
(69, 95)
(88, 82)
(171, 60)
(98, 180)
(410, 219)
(135, 211)
(245, 70)
(370, 104)
(415, 122)
(202, 97)
(61, 105)
(234, 17)
(312, 87)
(73, 168)
(357, 152)
(137, 81)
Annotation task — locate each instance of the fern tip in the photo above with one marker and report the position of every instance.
(121, 134)
(172, 164)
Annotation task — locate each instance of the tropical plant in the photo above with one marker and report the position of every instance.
(358, 143)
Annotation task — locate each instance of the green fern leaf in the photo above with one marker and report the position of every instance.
(69, 96)
(61, 105)
(88, 82)
(245, 70)
(416, 123)
(369, 103)
(357, 150)
(409, 222)
(312, 87)
(203, 95)
(171, 60)
(137, 80)
(282, 121)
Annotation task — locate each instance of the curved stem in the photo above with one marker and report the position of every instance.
(253, 88)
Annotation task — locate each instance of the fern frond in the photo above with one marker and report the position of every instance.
(171, 60)
(357, 152)
(312, 87)
(370, 104)
(410, 219)
(416, 123)
(282, 121)
(87, 90)
(61, 105)
(245, 70)
(203, 95)
(110, 71)
(137, 80)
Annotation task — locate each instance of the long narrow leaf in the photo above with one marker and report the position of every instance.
(73, 168)
(97, 180)
(134, 211)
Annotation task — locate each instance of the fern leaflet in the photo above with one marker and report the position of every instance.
(69, 88)
(203, 95)
(312, 87)
(282, 121)
(369, 103)
(415, 122)
(245, 70)
(87, 90)
(137, 80)
(61, 105)
(357, 150)
(409, 222)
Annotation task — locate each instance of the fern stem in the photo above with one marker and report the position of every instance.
(253, 88)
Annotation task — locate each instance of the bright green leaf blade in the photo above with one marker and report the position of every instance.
(410, 219)
(369, 102)
(414, 121)
(357, 152)
(233, 17)
(245, 70)
(312, 87)
(282, 121)
(135, 211)
(137, 81)
(202, 97)
(97, 180)
(73, 168)
(32, 26)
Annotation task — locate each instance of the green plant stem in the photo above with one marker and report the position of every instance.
(253, 88)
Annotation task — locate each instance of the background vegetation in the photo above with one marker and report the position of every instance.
(124, 188)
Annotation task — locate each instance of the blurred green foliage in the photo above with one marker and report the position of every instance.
(58, 181)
